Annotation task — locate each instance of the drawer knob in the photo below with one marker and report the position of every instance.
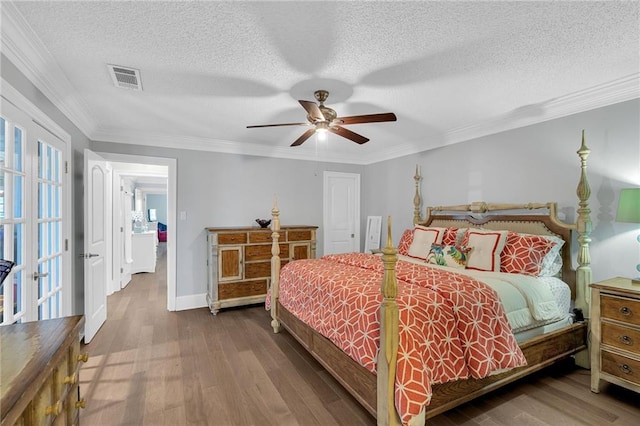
(626, 340)
(81, 404)
(54, 409)
(626, 369)
(625, 311)
(84, 357)
(69, 380)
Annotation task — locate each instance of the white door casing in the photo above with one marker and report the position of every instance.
(95, 243)
(341, 212)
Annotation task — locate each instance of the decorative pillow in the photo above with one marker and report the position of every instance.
(487, 246)
(405, 242)
(447, 255)
(552, 262)
(449, 236)
(524, 253)
(423, 238)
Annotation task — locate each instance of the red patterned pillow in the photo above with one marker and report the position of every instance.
(450, 235)
(524, 253)
(405, 242)
(486, 247)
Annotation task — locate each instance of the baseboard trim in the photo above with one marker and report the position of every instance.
(193, 301)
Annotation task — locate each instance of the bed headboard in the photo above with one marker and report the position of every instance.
(483, 215)
(533, 218)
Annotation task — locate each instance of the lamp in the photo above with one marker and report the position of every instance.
(629, 211)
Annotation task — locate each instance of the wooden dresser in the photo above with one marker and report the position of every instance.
(239, 261)
(615, 333)
(40, 361)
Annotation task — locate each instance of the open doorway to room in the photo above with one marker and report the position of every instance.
(142, 185)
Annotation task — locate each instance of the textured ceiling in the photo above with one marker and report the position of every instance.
(449, 70)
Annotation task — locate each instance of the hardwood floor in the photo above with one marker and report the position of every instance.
(148, 366)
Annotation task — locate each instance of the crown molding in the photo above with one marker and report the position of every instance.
(613, 92)
(162, 140)
(25, 50)
(621, 90)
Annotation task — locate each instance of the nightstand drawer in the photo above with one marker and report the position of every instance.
(621, 366)
(621, 337)
(620, 309)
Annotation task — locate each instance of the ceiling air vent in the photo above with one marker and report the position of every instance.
(125, 78)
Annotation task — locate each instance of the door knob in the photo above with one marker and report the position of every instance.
(37, 275)
(88, 255)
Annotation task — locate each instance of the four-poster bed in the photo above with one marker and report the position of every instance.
(378, 390)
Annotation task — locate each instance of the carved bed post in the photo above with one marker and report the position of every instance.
(275, 265)
(583, 227)
(388, 354)
(416, 198)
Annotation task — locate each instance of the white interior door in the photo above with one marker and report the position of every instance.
(341, 208)
(95, 243)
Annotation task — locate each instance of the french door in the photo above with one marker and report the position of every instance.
(33, 222)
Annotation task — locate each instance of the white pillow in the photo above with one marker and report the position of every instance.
(552, 261)
(486, 247)
(423, 237)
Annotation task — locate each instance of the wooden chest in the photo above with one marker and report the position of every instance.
(40, 365)
(615, 330)
(239, 261)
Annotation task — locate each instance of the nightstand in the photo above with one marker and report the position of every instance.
(615, 333)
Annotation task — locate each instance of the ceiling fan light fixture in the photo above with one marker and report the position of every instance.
(322, 119)
(321, 135)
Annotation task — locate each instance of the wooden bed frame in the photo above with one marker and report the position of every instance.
(376, 391)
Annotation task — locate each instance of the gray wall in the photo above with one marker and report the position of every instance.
(78, 143)
(233, 190)
(537, 163)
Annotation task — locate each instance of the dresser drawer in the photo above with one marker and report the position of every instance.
(620, 309)
(621, 337)
(260, 237)
(301, 235)
(621, 366)
(233, 238)
(263, 252)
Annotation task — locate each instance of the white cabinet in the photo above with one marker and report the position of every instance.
(143, 251)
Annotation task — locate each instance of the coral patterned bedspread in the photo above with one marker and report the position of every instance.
(451, 325)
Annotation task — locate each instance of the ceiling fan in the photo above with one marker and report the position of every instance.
(325, 119)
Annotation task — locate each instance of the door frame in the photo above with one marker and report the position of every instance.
(171, 164)
(327, 175)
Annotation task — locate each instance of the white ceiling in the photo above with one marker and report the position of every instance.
(450, 71)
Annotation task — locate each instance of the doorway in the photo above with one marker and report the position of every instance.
(341, 212)
(146, 168)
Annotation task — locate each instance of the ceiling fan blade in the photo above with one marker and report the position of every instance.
(345, 133)
(278, 125)
(306, 135)
(313, 110)
(369, 118)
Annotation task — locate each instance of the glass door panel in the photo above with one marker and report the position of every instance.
(49, 276)
(12, 218)
(32, 222)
